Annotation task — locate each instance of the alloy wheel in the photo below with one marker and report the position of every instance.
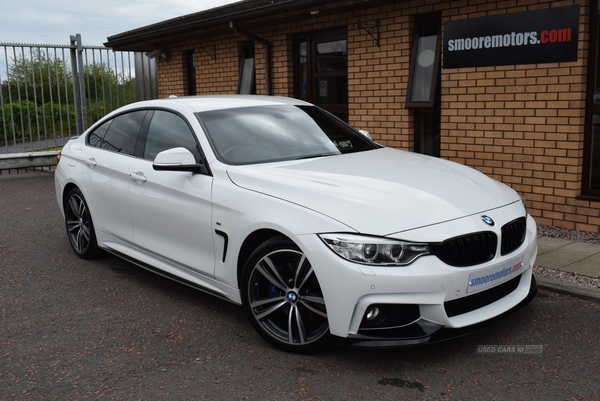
(286, 301)
(80, 228)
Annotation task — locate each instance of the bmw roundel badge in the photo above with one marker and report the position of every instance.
(487, 220)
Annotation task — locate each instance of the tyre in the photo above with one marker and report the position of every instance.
(80, 228)
(283, 299)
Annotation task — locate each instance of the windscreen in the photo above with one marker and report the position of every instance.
(262, 134)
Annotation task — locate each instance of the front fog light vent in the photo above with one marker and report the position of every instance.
(386, 316)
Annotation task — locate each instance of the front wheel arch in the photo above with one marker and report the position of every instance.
(250, 244)
(65, 193)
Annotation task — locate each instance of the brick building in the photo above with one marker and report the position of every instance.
(523, 113)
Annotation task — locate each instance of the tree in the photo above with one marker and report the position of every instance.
(40, 78)
(106, 90)
(38, 95)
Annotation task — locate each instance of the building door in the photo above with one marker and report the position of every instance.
(322, 70)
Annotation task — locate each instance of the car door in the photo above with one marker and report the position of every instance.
(170, 210)
(107, 156)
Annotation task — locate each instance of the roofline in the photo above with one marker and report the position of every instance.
(215, 18)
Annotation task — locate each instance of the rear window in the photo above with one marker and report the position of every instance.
(118, 134)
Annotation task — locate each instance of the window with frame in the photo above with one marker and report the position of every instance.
(423, 95)
(591, 161)
(166, 131)
(119, 134)
(191, 72)
(246, 82)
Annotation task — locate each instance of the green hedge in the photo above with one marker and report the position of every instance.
(25, 120)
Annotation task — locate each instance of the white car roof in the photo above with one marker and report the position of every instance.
(218, 102)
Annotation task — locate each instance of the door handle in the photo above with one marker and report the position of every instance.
(91, 162)
(138, 176)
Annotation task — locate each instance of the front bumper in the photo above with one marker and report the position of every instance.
(440, 301)
(423, 331)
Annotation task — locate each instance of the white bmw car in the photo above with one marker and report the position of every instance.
(318, 232)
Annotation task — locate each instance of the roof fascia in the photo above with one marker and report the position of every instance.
(148, 37)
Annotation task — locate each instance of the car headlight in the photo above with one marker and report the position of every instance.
(374, 250)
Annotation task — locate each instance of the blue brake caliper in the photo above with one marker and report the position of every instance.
(273, 291)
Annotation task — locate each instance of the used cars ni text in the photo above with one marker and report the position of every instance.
(318, 232)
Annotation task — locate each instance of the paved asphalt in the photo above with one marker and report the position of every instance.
(107, 330)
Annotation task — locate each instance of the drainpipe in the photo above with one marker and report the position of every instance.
(234, 27)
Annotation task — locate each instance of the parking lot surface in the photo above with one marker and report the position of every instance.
(105, 329)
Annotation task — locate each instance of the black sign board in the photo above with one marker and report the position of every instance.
(532, 37)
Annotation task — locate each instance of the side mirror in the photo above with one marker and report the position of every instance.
(178, 159)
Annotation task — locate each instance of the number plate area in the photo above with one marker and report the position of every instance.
(493, 276)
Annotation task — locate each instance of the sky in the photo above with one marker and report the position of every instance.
(54, 21)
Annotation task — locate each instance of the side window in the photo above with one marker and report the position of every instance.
(247, 83)
(167, 131)
(119, 134)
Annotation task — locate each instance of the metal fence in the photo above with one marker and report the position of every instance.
(49, 93)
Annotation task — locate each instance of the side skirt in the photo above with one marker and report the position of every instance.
(168, 275)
